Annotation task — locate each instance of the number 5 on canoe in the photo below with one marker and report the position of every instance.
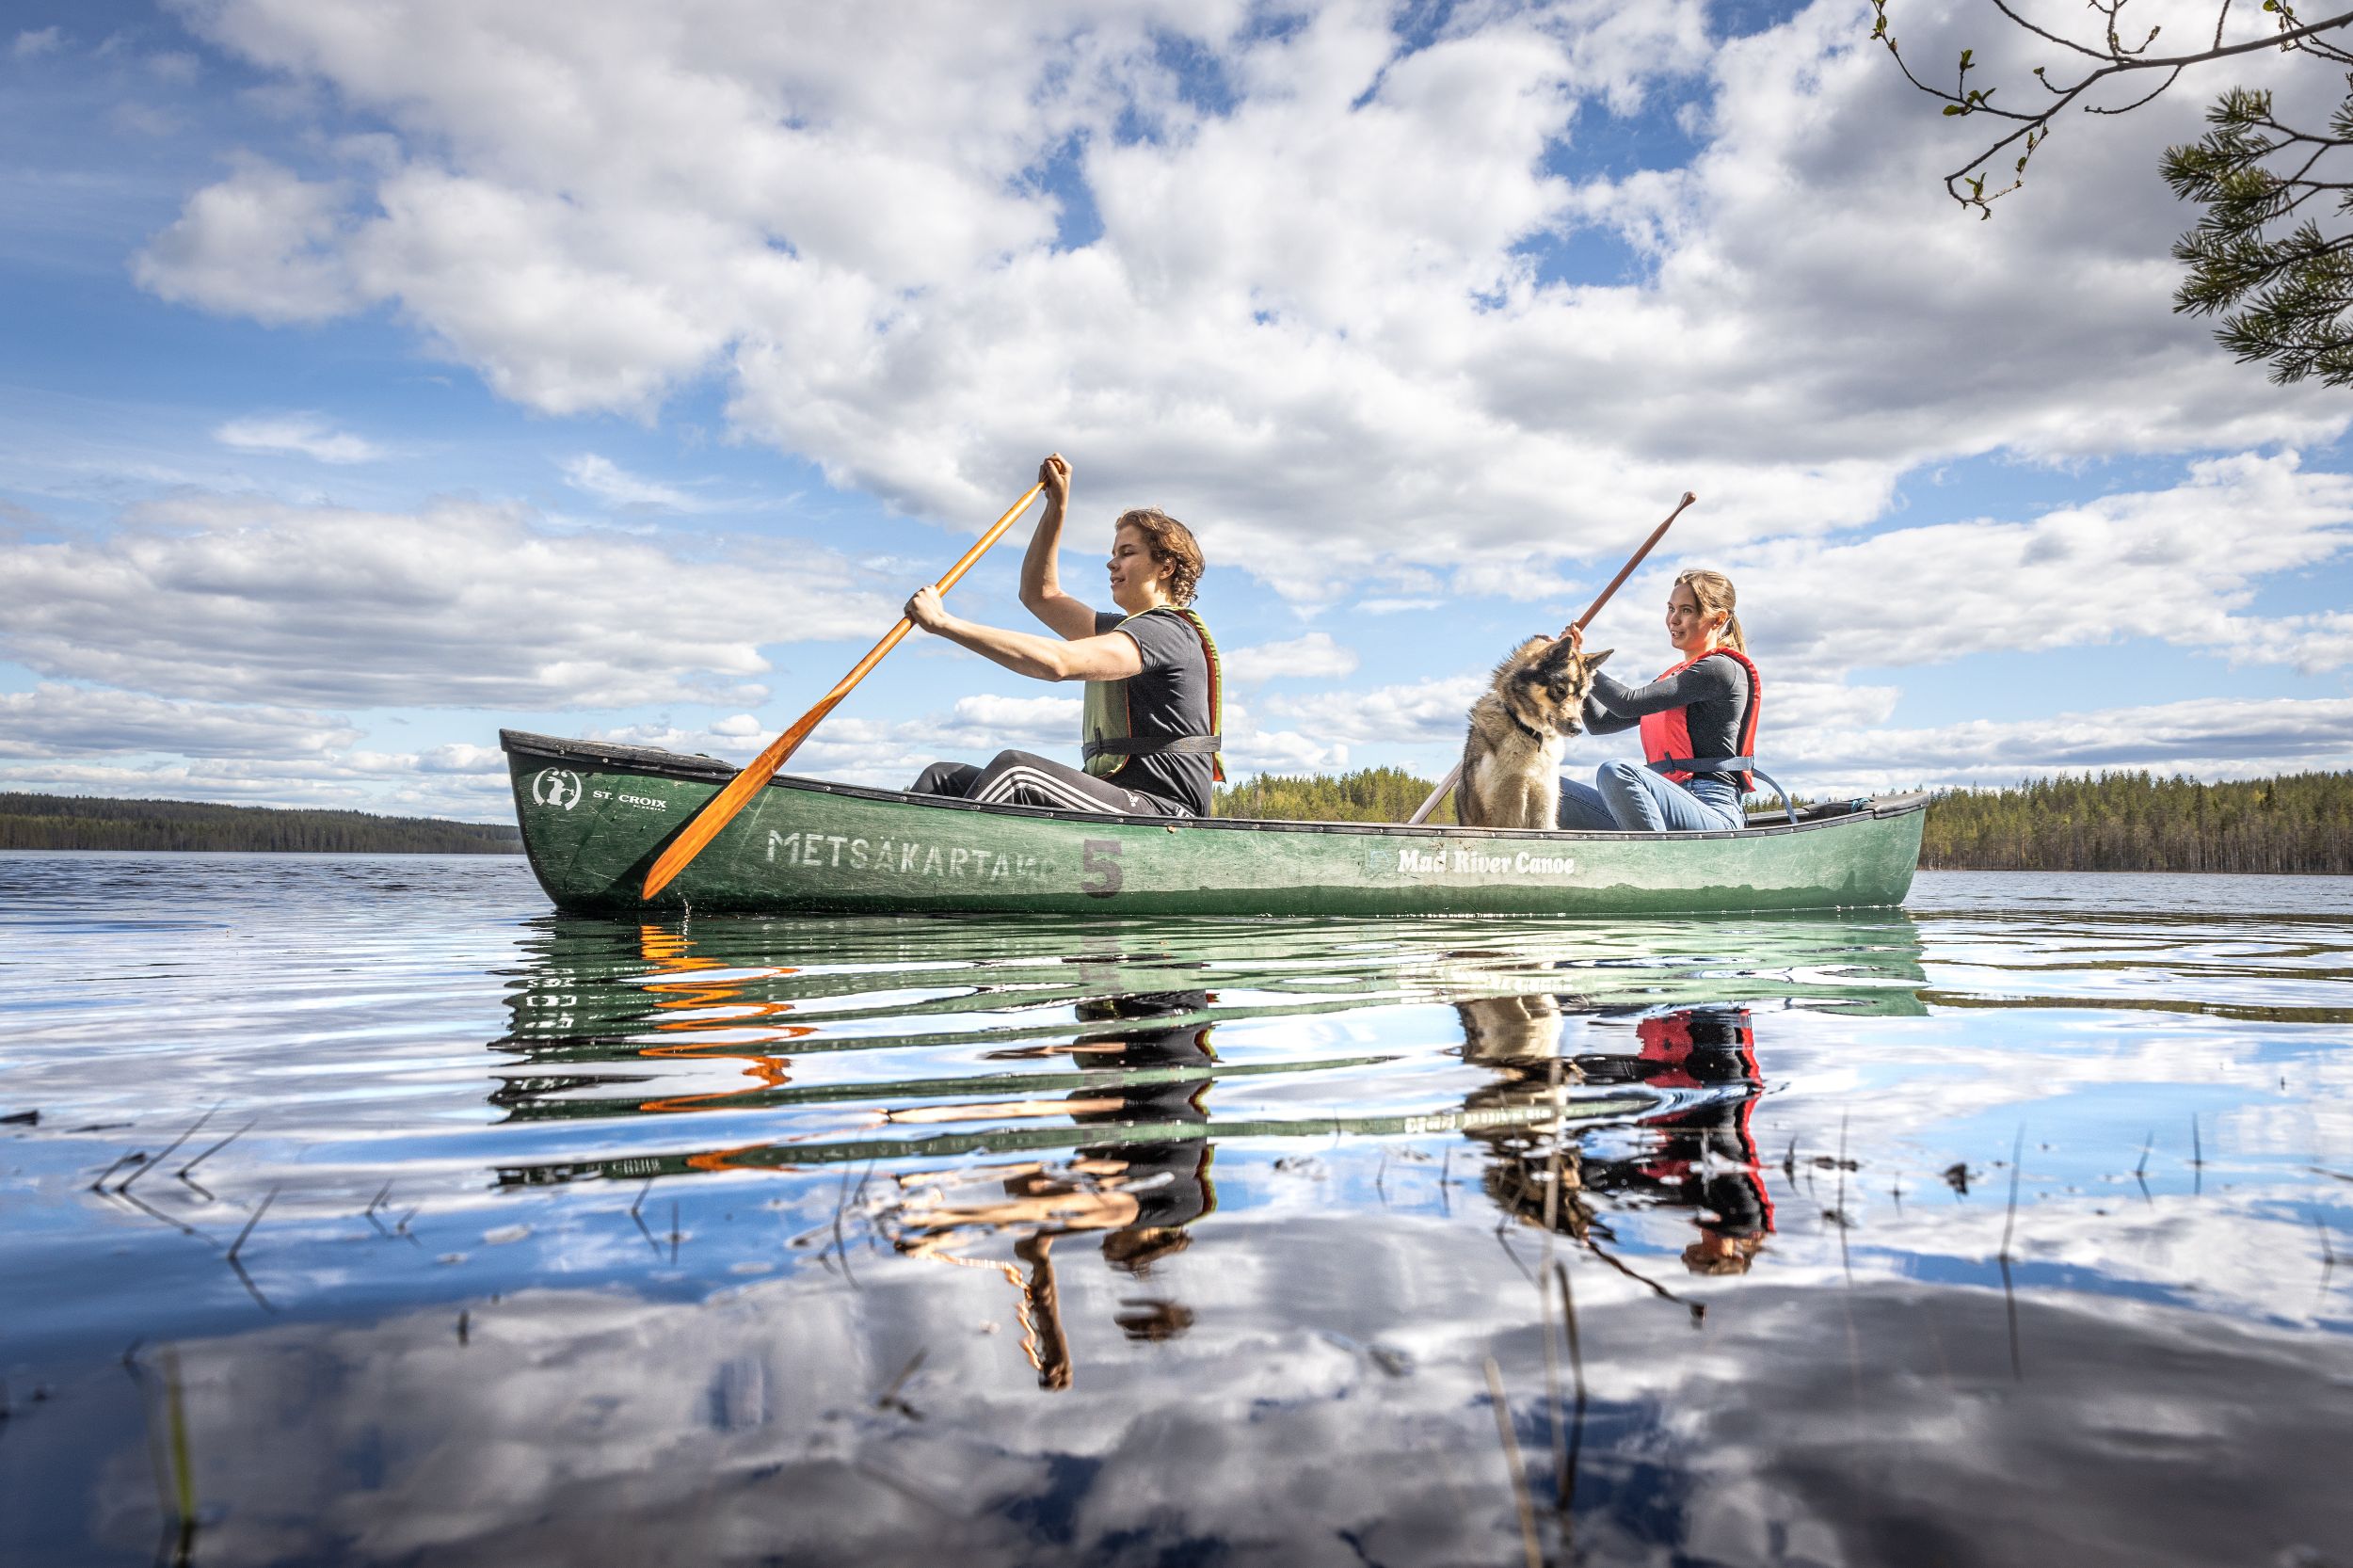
(706, 822)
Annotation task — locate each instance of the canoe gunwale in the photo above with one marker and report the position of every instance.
(671, 764)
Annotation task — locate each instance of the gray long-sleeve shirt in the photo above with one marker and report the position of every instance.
(1716, 692)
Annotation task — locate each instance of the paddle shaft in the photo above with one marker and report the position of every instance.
(1454, 773)
(705, 824)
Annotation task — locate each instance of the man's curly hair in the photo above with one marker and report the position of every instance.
(1172, 545)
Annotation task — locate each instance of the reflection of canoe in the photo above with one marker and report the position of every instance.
(1580, 1110)
(593, 817)
(600, 992)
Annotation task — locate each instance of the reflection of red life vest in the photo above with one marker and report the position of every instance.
(1668, 735)
(1666, 1040)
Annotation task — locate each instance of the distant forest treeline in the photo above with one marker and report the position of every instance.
(69, 822)
(2135, 821)
(1368, 794)
(2114, 822)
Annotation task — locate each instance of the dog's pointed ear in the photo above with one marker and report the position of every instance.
(1594, 661)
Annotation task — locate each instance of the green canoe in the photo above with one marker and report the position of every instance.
(594, 816)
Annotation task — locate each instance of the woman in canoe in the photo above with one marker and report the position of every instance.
(1149, 729)
(1702, 711)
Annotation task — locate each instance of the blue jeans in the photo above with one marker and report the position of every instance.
(1627, 797)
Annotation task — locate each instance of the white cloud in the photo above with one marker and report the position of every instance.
(1281, 751)
(2177, 565)
(609, 482)
(1517, 580)
(459, 605)
(462, 757)
(53, 721)
(398, 783)
(1416, 712)
(1311, 656)
(148, 119)
(1313, 323)
(2206, 738)
(262, 243)
(31, 46)
(889, 753)
(1025, 723)
(1309, 325)
(307, 434)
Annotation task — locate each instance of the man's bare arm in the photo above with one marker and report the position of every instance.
(1113, 656)
(1041, 582)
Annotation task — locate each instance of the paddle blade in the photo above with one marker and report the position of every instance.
(706, 822)
(724, 806)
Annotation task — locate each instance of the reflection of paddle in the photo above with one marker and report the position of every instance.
(1454, 773)
(728, 801)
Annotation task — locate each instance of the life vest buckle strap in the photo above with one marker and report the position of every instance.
(1703, 765)
(1727, 765)
(1152, 745)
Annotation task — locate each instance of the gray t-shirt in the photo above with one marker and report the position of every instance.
(1169, 697)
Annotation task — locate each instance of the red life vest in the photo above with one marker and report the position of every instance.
(1668, 736)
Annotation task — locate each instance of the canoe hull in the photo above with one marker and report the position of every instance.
(595, 816)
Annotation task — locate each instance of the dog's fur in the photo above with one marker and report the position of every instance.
(1499, 1030)
(1511, 756)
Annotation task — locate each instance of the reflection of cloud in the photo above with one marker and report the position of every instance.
(2174, 1395)
(596, 1425)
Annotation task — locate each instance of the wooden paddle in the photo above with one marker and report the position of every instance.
(1454, 773)
(706, 822)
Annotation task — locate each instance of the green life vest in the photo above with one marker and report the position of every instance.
(1104, 740)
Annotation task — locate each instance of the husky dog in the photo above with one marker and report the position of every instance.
(1512, 758)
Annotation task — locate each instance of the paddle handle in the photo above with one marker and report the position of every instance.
(705, 824)
(1628, 570)
(1454, 773)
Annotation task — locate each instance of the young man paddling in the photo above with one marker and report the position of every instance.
(1149, 729)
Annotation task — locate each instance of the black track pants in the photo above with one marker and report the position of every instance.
(1024, 778)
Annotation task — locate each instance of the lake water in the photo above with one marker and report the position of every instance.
(2016, 1226)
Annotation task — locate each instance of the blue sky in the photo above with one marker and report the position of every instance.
(381, 374)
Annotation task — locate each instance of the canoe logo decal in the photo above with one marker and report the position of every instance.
(558, 787)
(1409, 861)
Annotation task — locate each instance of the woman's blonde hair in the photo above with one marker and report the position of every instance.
(1172, 545)
(1713, 590)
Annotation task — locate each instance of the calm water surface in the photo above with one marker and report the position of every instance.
(360, 1211)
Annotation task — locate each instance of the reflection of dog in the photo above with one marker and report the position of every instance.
(1497, 1029)
(1512, 758)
